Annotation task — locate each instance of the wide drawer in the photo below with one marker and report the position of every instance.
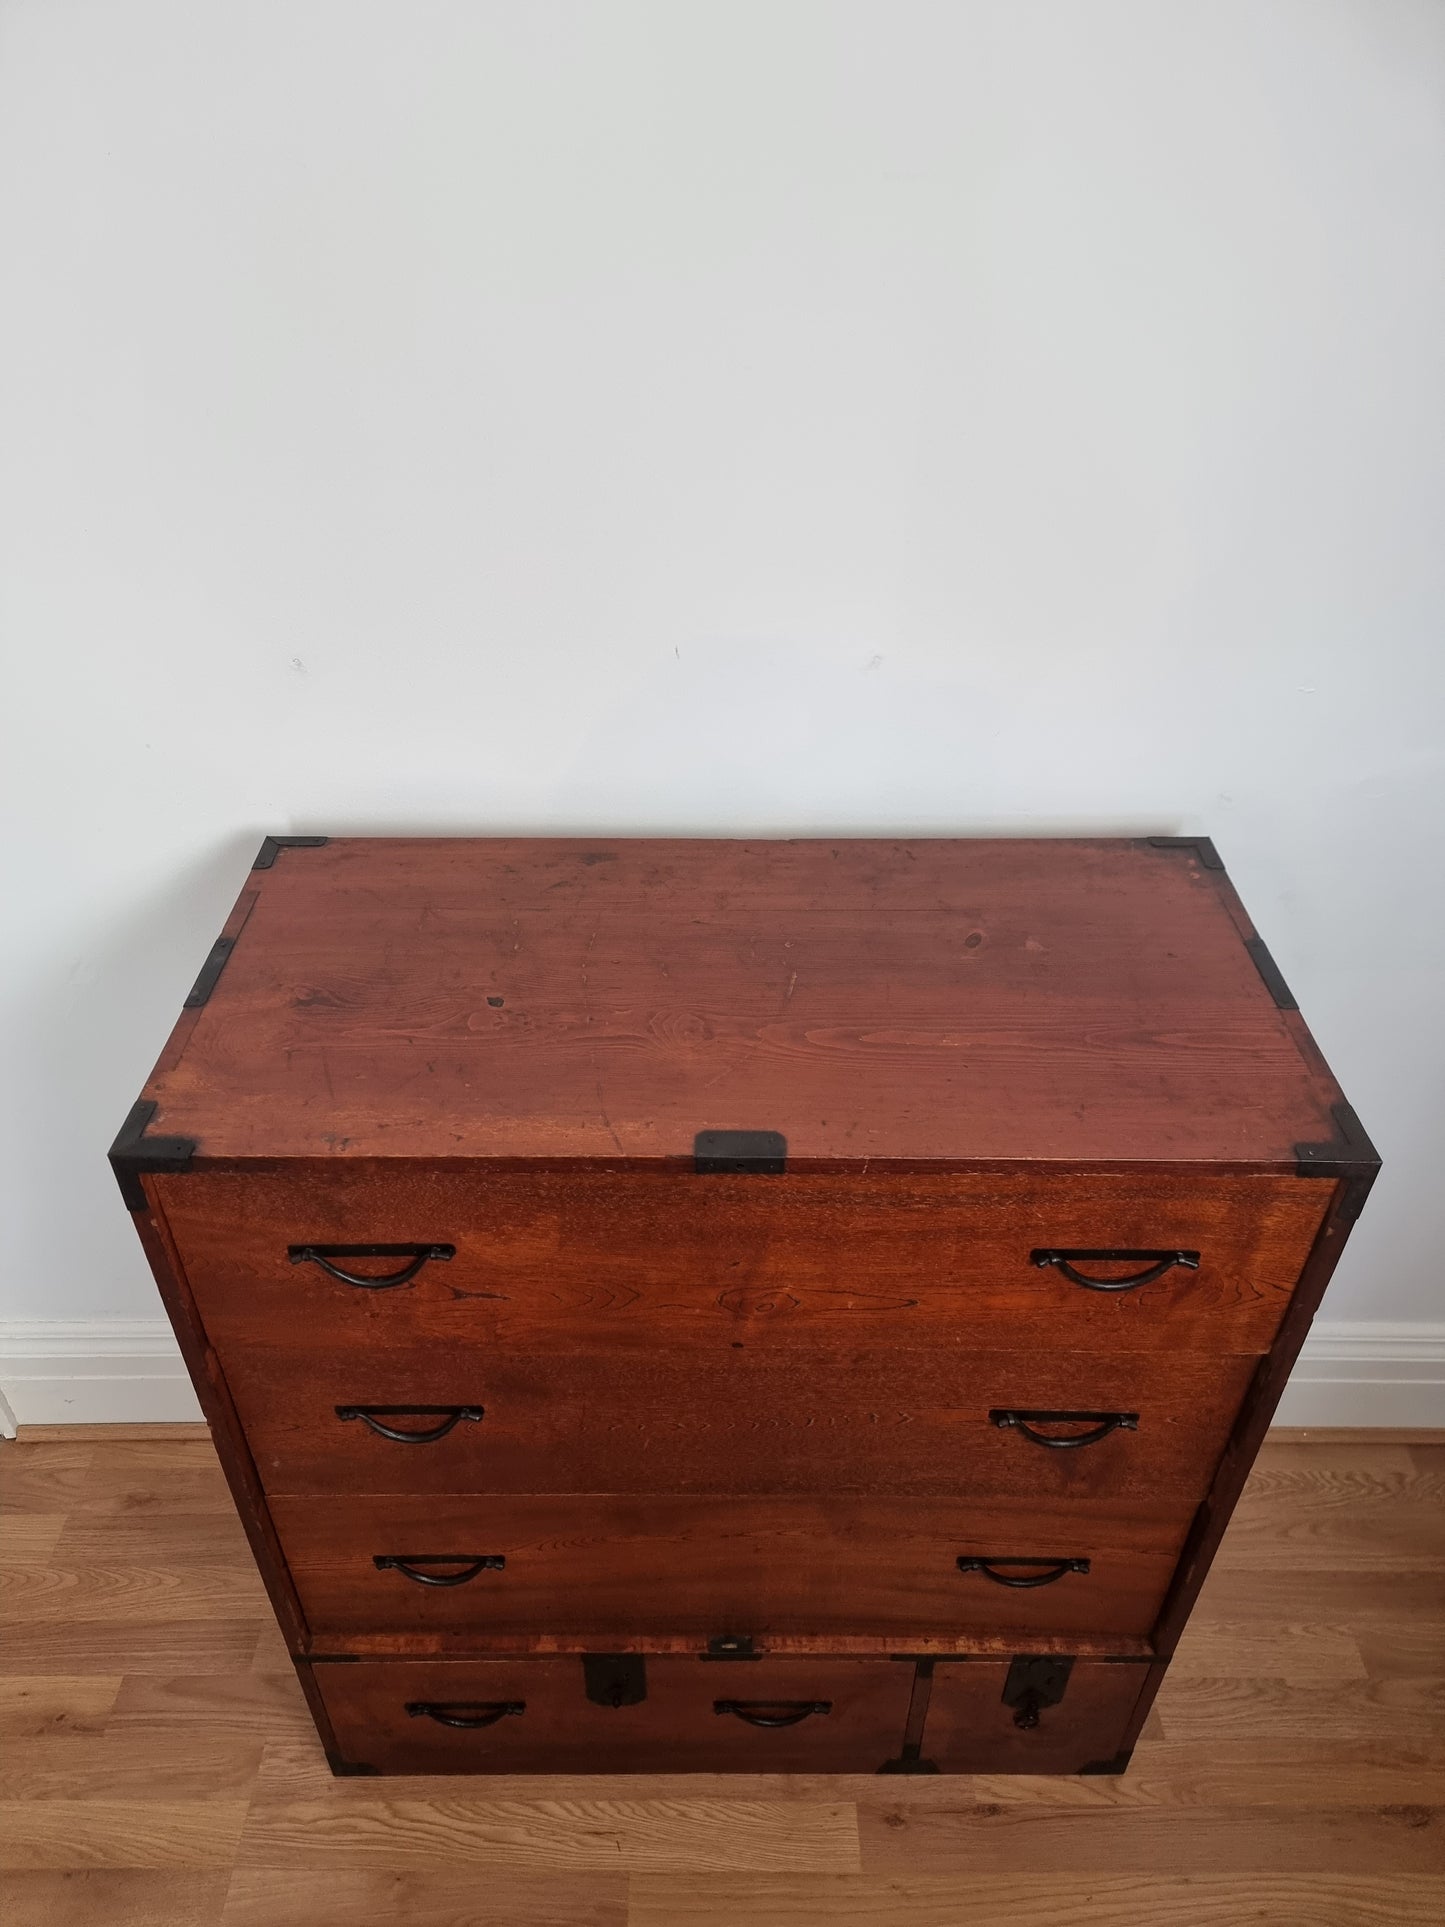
(614, 1568)
(582, 1259)
(1043, 1426)
(697, 1716)
(1047, 1716)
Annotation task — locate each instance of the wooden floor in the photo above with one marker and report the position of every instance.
(157, 1765)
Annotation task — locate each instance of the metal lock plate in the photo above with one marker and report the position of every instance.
(615, 1679)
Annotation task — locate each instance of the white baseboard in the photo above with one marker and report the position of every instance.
(1358, 1373)
(92, 1371)
(128, 1371)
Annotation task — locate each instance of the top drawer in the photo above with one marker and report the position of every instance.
(585, 1258)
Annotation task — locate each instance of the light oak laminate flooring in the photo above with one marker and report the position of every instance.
(158, 1769)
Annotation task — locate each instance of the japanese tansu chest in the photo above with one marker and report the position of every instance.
(758, 1306)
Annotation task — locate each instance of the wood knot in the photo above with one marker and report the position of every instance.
(1409, 1816)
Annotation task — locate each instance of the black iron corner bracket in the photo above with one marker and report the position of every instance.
(133, 1153)
(756, 1151)
(1348, 1154)
(1204, 850)
(210, 973)
(1269, 971)
(273, 846)
(1209, 859)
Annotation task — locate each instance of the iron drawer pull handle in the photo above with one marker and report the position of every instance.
(1023, 1582)
(468, 1714)
(1156, 1262)
(1103, 1423)
(407, 1565)
(323, 1254)
(773, 1712)
(371, 1417)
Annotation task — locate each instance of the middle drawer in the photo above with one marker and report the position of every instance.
(605, 1569)
(1031, 1425)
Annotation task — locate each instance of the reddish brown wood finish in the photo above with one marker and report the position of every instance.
(955, 1001)
(582, 1260)
(227, 1432)
(736, 1421)
(675, 1729)
(999, 1641)
(603, 1566)
(968, 1727)
(1347, 1200)
(749, 1404)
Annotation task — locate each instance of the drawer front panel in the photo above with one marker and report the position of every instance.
(609, 1568)
(534, 1715)
(574, 1261)
(972, 1727)
(756, 1421)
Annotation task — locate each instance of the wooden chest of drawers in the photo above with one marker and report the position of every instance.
(800, 1306)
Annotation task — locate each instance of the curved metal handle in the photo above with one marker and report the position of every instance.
(1023, 1582)
(467, 1714)
(372, 1417)
(1102, 1424)
(388, 1281)
(773, 1712)
(407, 1564)
(1156, 1264)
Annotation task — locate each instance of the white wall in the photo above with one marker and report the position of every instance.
(784, 415)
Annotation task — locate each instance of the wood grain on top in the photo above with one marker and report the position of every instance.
(932, 1001)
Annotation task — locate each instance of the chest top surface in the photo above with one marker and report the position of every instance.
(931, 1001)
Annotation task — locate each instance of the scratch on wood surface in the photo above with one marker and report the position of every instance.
(601, 1104)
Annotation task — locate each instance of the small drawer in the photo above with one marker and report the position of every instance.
(586, 1260)
(1033, 1715)
(968, 1425)
(671, 1715)
(607, 1568)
